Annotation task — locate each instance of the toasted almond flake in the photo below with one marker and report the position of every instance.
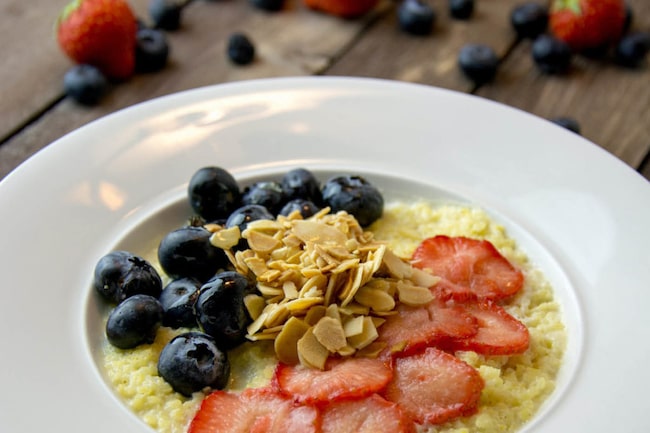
(303, 304)
(290, 290)
(355, 309)
(261, 336)
(277, 314)
(286, 343)
(367, 336)
(263, 225)
(213, 227)
(372, 350)
(353, 326)
(311, 352)
(329, 332)
(269, 275)
(317, 281)
(314, 314)
(254, 305)
(312, 231)
(377, 300)
(269, 291)
(257, 265)
(257, 324)
(347, 351)
(377, 321)
(225, 238)
(396, 266)
(423, 278)
(332, 311)
(261, 242)
(412, 295)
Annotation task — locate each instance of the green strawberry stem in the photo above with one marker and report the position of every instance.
(573, 5)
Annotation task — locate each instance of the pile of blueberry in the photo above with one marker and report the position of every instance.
(205, 295)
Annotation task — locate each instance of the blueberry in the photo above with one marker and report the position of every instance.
(187, 252)
(151, 50)
(177, 300)
(632, 49)
(266, 193)
(268, 5)
(244, 215)
(191, 362)
(567, 122)
(356, 196)
(461, 9)
(85, 84)
(306, 207)
(165, 14)
(134, 321)
(551, 55)
(213, 193)
(220, 309)
(529, 19)
(121, 274)
(240, 49)
(478, 62)
(416, 17)
(301, 183)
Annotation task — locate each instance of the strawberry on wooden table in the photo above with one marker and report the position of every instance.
(341, 379)
(254, 410)
(342, 8)
(587, 24)
(469, 268)
(365, 415)
(101, 33)
(434, 387)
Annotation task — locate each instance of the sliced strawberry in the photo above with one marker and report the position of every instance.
(342, 378)
(469, 268)
(414, 328)
(254, 410)
(366, 415)
(434, 387)
(499, 332)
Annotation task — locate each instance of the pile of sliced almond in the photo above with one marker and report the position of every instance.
(325, 285)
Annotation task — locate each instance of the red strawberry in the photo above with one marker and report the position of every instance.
(100, 33)
(343, 8)
(587, 24)
(434, 386)
(254, 410)
(342, 378)
(469, 268)
(367, 415)
(413, 329)
(499, 333)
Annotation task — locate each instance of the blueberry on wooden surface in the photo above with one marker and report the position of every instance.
(567, 122)
(151, 50)
(551, 55)
(192, 361)
(213, 193)
(220, 309)
(134, 321)
(478, 62)
(187, 252)
(121, 274)
(461, 9)
(632, 49)
(166, 14)
(416, 17)
(529, 19)
(268, 5)
(85, 84)
(240, 49)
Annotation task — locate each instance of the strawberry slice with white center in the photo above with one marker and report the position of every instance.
(434, 387)
(499, 333)
(469, 268)
(414, 328)
(366, 415)
(341, 379)
(254, 410)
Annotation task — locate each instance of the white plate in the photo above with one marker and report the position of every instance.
(581, 214)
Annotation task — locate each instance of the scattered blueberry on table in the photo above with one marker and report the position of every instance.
(151, 50)
(85, 84)
(416, 17)
(529, 19)
(479, 62)
(461, 9)
(551, 55)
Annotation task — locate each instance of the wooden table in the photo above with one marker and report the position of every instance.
(611, 103)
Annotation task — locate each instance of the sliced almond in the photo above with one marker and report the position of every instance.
(261, 242)
(377, 300)
(412, 295)
(311, 352)
(367, 336)
(329, 332)
(286, 343)
(225, 238)
(254, 305)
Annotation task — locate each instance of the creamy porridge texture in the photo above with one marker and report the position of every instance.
(515, 386)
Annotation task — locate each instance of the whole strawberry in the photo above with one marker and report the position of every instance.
(100, 33)
(342, 8)
(587, 24)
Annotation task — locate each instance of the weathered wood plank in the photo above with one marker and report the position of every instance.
(387, 52)
(611, 103)
(295, 41)
(33, 66)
